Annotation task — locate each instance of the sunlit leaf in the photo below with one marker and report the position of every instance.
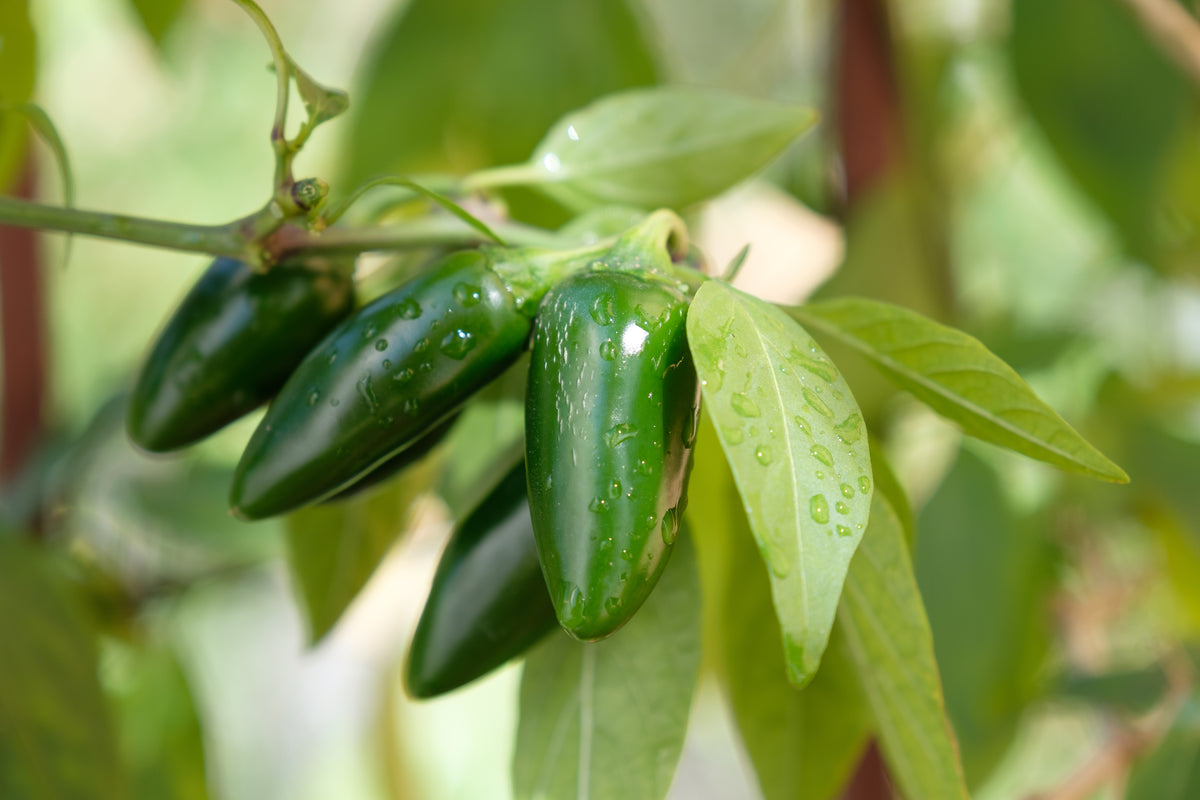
(960, 379)
(803, 743)
(56, 736)
(334, 548)
(1172, 770)
(986, 579)
(465, 84)
(889, 640)
(797, 444)
(18, 66)
(666, 146)
(606, 720)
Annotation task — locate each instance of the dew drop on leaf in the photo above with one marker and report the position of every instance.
(743, 405)
(763, 454)
(864, 484)
(847, 490)
(733, 435)
(843, 531)
(816, 403)
(818, 509)
(841, 507)
(821, 454)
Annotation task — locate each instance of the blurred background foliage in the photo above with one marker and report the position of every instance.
(1027, 170)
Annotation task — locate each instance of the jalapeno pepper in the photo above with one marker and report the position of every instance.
(229, 347)
(379, 381)
(610, 422)
(488, 603)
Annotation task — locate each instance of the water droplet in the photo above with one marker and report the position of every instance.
(458, 343)
(608, 350)
(602, 309)
(818, 509)
(335, 402)
(743, 405)
(614, 491)
(794, 655)
(821, 454)
(314, 397)
(842, 530)
(820, 475)
(841, 507)
(733, 435)
(367, 393)
(381, 345)
(650, 520)
(776, 558)
(627, 554)
(611, 604)
(467, 295)
(333, 357)
(864, 484)
(387, 364)
(816, 403)
(804, 426)
(619, 433)
(670, 526)
(425, 366)
(409, 309)
(643, 467)
(572, 134)
(850, 429)
(716, 378)
(598, 505)
(369, 331)
(817, 366)
(573, 605)
(403, 376)
(847, 490)
(763, 454)
(551, 162)
(421, 346)
(411, 406)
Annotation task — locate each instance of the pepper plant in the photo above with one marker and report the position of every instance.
(691, 488)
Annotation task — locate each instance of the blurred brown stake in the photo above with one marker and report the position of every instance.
(22, 326)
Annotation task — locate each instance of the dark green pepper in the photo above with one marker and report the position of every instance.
(229, 346)
(488, 603)
(399, 462)
(379, 381)
(610, 421)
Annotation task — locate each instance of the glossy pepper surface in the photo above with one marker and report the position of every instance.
(488, 603)
(610, 421)
(230, 346)
(378, 382)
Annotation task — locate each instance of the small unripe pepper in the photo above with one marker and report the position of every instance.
(488, 603)
(230, 346)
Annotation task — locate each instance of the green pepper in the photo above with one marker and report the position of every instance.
(380, 380)
(488, 603)
(229, 346)
(610, 421)
(399, 462)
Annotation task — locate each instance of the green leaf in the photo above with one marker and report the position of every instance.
(334, 548)
(44, 126)
(18, 66)
(1108, 99)
(887, 484)
(606, 721)
(56, 736)
(803, 743)
(160, 732)
(158, 16)
(1130, 691)
(1172, 771)
(889, 640)
(959, 378)
(465, 84)
(797, 445)
(666, 146)
(321, 102)
(986, 578)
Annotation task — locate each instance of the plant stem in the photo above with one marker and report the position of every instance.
(224, 240)
(283, 76)
(510, 175)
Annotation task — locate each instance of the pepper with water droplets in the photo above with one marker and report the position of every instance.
(607, 476)
(387, 375)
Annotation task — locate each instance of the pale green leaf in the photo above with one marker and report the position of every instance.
(56, 736)
(665, 146)
(797, 444)
(18, 66)
(321, 102)
(44, 127)
(607, 720)
(889, 640)
(334, 548)
(803, 743)
(960, 379)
